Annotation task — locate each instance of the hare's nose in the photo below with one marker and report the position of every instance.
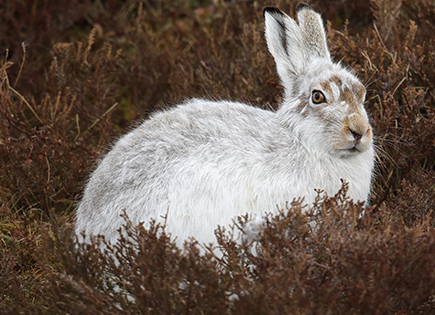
(357, 136)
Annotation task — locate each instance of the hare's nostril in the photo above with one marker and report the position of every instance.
(357, 136)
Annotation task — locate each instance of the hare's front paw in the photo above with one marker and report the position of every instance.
(252, 230)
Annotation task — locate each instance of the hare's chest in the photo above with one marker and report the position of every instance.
(356, 172)
(275, 190)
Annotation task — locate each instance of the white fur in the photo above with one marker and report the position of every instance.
(202, 163)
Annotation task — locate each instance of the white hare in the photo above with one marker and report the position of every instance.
(203, 163)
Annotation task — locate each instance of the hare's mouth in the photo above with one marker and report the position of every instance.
(354, 150)
(348, 152)
(351, 151)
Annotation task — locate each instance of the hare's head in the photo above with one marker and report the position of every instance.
(324, 102)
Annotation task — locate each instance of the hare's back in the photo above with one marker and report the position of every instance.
(202, 121)
(200, 127)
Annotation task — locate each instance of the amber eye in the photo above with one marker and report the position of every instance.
(318, 97)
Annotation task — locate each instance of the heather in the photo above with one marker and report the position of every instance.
(76, 76)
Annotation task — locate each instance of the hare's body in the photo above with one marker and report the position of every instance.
(203, 163)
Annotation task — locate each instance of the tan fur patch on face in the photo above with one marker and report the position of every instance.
(348, 96)
(355, 121)
(369, 135)
(360, 91)
(303, 103)
(326, 86)
(337, 81)
(353, 95)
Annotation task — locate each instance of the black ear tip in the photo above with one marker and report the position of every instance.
(272, 10)
(303, 6)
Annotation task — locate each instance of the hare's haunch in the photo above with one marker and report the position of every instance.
(202, 163)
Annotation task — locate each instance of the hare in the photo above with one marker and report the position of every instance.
(203, 163)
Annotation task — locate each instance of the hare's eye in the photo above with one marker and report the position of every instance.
(318, 97)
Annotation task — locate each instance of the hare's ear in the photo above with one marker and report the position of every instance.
(286, 44)
(313, 32)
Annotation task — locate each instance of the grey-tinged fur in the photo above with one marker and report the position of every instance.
(202, 163)
(311, 25)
